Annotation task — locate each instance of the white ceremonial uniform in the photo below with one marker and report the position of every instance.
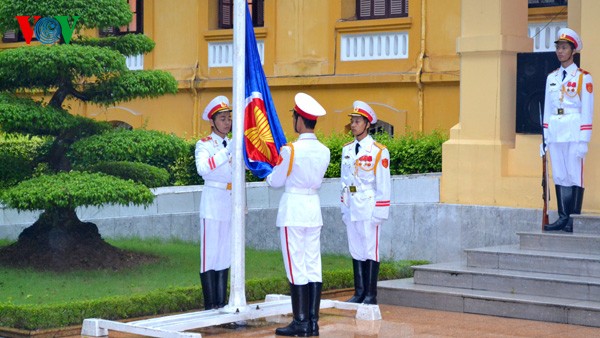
(365, 195)
(568, 113)
(213, 162)
(299, 217)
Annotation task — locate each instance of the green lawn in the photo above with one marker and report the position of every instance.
(178, 267)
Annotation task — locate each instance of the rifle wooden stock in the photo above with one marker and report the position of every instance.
(545, 191)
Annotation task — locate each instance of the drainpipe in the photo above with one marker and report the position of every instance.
(420, 94)
(195, 113)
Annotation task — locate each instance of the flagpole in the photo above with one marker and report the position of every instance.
(237, 290)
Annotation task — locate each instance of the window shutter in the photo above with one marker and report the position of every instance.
(10, 36)
(381, 9)
(398, 8)
(363, 9)
(225, 14)
(258, 13)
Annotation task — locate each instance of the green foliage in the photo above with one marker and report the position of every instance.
(335, 143)
(73, 189)
(145, 174)
(415, 153)
(183, 170)
(151, 147)
(17, 154)
(164, 301)
(44, 66)
(132, 84)
(128, 44)
(26, 116)
(92, 14)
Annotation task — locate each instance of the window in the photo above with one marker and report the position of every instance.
(257, 11)
(546, 3)
(14, 35)
(136, 26)
(381, 9)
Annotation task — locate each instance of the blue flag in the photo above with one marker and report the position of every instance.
(263, 136)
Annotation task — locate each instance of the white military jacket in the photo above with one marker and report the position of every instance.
(365, 180)
(213, 162)
(301, 170)
(568, 106)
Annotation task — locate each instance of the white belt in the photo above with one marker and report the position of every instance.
(219, 185)
(301, 191)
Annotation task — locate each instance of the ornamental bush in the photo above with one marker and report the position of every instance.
(17, 154)
(143, 173)
(145, 146)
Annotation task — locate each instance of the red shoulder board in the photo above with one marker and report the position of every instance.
(584, 71)
(206, 139)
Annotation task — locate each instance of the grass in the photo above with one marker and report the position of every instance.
(178, 267)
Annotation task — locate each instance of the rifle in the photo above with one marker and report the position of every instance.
(545, 186)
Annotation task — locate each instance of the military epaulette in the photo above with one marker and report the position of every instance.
(348, 143)
(379, 145)
(206, 139)
(583, 71)
(554, 71)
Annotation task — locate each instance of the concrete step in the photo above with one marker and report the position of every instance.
(404, 292)
(511, 257)
(588, 224)
(560, 242)
(458, 275)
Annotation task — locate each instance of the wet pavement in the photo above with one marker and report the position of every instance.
(403, 322)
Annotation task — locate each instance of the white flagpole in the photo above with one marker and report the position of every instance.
(237, 290)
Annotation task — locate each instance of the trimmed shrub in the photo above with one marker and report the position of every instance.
(143, 173)
(151, 147)
(17, 155)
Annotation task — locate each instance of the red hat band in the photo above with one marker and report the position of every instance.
(570, 39)
(304, 114)
(364, 113)
(216, 109)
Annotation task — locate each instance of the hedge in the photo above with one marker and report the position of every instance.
(17, 155)
(35, 317)
(143, 173)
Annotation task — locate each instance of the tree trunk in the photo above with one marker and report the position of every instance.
(59, 241)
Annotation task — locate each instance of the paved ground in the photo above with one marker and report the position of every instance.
(406, 322)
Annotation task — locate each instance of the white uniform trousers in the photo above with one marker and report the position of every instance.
(301, 249)
(215, 245)
(567, 168)
(363, 240)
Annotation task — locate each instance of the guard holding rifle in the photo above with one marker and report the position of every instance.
(567, 126)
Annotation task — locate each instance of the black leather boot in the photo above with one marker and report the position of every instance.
(564, 201)
(299, 327)
(314, 291)
(221, 288)
(577, 203)
(359, 286)
(208, 279)
(372, 273)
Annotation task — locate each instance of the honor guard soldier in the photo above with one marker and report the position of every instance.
(567, 126)
(301, 169)
(365, 200)
(213, 162)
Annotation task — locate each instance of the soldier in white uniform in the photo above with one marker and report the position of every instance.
(567, 125)
(301, 170)
(213, 162)
(365, 200)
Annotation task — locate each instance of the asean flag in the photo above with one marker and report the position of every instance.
(263, 136)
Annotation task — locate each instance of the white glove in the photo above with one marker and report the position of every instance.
(542, 150)
(582, 149)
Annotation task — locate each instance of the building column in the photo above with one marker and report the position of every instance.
(475, 157)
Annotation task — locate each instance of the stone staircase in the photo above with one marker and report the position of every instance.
(553, 277)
